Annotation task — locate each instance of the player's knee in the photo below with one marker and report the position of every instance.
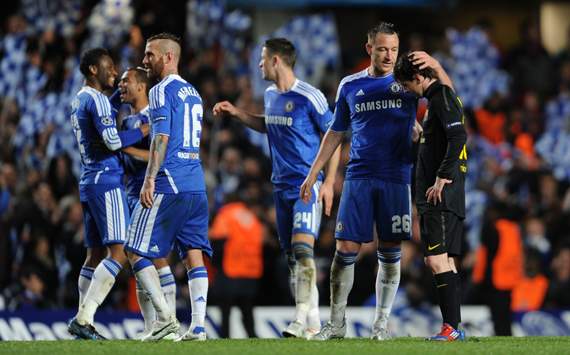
(344, 259)
(389, 259)
(436, 263)
(302, 251)
(347, 246)
(94, 257)
(117, 253)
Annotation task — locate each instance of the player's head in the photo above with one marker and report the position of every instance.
(276, 54)
(382, 47)
(411, 76)
(97, 66)
(134, 85)
(161, 55)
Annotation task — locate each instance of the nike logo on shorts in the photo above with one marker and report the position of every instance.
(430, 248)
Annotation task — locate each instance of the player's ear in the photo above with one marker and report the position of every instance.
(368, 47)
(93, 69)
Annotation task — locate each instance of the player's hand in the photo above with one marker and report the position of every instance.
(145, 128)
(147, 192)
(424, 60)
(434, 192)
(307, 188)
(326, 194)
(417, 132)
(224, 107)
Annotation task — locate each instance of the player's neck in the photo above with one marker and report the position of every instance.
(139, 105)
(285, 80)
(93, 84)
(168, 71)
(376, 73)
(426, 85)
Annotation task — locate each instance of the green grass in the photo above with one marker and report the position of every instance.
(479, 346)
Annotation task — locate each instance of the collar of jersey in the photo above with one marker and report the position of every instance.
(378, 77)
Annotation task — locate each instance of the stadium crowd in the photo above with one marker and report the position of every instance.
(517, 108)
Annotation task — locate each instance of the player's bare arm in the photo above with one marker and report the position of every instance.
(326, 193)
(156, 158)
(252, 120)
(330, 143)
(137, 153)
(425, 60)
(145, 129)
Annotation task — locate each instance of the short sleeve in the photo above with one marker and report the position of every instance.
(341, 118)
(320, 112)
(160, 111)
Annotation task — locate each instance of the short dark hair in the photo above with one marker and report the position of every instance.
(283, 48)
(383, 27)
(141, 76)
(164, 35)
(91, 57)
(405, 70)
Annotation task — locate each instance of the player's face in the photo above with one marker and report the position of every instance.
(383, 52)
(153, 60)
(129, 87)
(266, 65)
(106, 73)
(414, 86)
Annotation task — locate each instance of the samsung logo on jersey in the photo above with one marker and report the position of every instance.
(186, 91)
(279, 120)
(378, 105)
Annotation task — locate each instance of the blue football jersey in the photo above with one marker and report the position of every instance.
(93, 122)
(381, 116)
(295, 120)
(135, 169)
(176, 111)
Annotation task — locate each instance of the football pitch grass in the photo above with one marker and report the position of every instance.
(479, 346)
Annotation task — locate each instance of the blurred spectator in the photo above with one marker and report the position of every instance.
(529, 63)
(237, 236)
(529, 294)
(559, 289)
(499, 268)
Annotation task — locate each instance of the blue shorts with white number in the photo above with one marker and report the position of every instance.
(105, 218)
(295, 216)
(180, 219)
(366, 203)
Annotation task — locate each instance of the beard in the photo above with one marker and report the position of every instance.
(155, 70)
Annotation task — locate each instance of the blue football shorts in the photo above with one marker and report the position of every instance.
(179, 220)
(366, 203)
(105, 218)
(295, 216)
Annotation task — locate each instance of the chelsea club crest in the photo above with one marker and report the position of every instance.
(289, 106)
(396, 88)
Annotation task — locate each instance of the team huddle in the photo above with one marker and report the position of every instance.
(164, 204)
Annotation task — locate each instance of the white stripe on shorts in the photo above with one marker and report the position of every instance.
(121, 211)
(149, 224)
(109, 216)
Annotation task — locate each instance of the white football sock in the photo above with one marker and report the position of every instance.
(101, 283)
(168, 285)
(387, 282)
(147, 277)
(342, 279)
(198, 286)
(314, 318)
(85, 276)
(147, 309)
